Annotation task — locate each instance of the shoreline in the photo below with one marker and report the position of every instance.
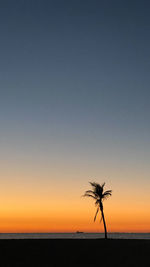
(76, 235)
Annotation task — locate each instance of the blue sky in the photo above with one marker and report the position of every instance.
(74, 90)
(75, 70)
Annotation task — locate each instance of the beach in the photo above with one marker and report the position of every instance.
(74, 252)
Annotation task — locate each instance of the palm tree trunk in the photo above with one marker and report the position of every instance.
(105, 228)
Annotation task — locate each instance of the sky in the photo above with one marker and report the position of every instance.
(74, 108)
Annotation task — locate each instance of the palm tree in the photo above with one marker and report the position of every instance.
(99, 195)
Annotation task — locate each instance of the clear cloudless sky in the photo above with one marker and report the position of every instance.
(74, 108)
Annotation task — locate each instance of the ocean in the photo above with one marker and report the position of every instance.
(73, 235)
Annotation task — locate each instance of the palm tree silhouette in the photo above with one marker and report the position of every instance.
(99, 195)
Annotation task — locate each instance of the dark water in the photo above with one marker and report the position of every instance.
(74, 235)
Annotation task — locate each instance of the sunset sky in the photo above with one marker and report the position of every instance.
(74, 108)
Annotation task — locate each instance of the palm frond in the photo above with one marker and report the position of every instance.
(97, 192)
(89, 195)
(90, 191)
(106, 194)
(103, 185)
(93, 184)
(97, 189)
(96, 214)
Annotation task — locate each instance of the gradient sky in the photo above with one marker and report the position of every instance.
(74, 107)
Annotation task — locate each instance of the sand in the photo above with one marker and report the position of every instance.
(67, 252)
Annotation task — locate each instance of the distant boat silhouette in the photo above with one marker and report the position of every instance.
(78, 232)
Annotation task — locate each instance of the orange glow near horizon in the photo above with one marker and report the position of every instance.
(45, 216)
(50, 206)
(35, 225)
